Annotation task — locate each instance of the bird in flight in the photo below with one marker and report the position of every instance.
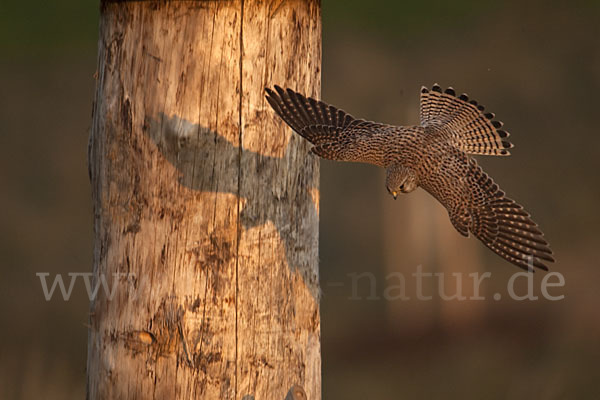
(434, 155)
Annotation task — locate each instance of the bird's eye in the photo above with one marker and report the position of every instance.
(402, 187)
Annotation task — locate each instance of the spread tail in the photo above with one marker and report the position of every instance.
(470, 128)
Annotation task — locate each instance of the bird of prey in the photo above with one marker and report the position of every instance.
(434, 155)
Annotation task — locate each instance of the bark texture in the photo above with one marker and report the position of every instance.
(206, 206)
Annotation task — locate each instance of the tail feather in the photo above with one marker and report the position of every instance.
(471, 130)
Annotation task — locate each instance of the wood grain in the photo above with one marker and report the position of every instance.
(205, 205)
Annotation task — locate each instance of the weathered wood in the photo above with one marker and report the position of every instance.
(206, 206)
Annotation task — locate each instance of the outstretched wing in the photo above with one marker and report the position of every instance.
(476, 204)
(464, 121)
(335, 134)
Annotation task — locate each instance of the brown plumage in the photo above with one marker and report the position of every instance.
(434, 156)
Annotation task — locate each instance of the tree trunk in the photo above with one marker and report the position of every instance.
(205, 205)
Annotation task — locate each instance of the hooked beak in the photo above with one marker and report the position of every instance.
(395, 194)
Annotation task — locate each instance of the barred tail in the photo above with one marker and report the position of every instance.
(471, 130)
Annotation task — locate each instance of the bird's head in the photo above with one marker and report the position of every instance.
(400, 180)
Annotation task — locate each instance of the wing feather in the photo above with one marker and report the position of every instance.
(335, 134)
(477, 205)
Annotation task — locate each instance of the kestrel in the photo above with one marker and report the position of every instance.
(435, 156)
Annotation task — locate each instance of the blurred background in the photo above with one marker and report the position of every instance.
(536, 64)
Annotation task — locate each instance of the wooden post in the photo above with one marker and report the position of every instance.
(205, 204)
